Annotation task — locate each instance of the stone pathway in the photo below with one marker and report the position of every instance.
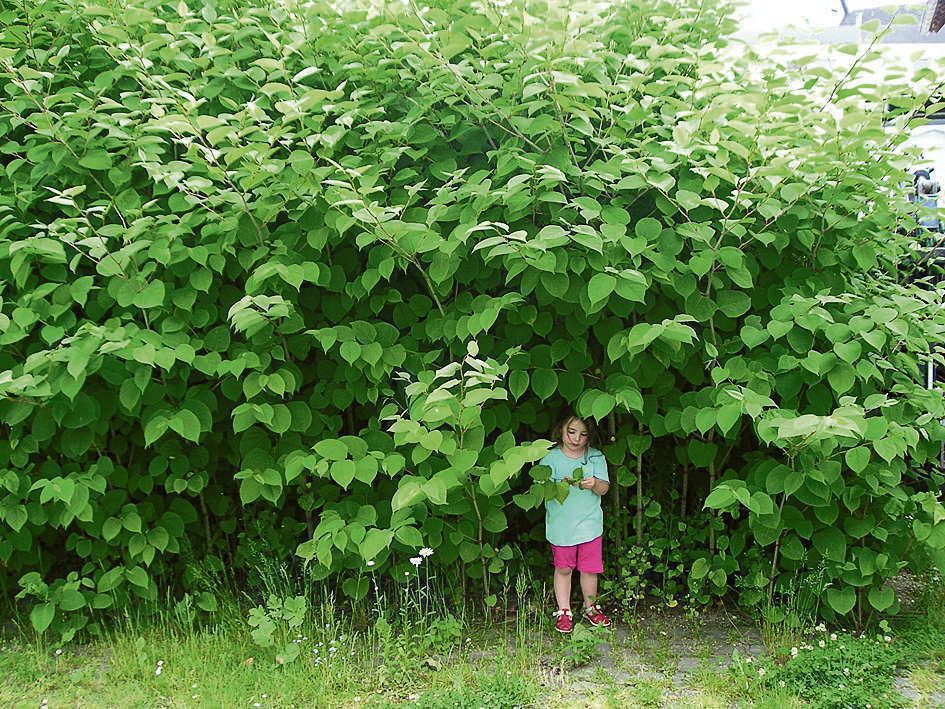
(664, 661)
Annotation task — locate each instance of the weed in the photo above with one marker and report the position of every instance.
(838, 669)
(497, 691)
(580, 647)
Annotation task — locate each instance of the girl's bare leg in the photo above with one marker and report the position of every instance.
(589, 588)
(563, 587)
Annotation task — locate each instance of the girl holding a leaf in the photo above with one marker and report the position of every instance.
(575, 527)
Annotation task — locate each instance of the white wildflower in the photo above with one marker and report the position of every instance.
(748, 660)
(425, 552)
(833, 636)
(794, 652)
(761, 671)
(58, 651)
(846, 671)
(371, 562)
(822, 643)
(887, 639)
(416, 560)
(782, 684)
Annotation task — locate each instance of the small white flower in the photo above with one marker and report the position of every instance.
(887, 639)
(782, 684)
(406, 573)
(748, 660)
(58, 651)
(425, 552)
(846, 671)
(193, 686)
(257, 704)
(160, 662)
(822, 643)
(761, 671)
(821, 627)
(157, 672)
(371, 562)
(794, 652)
(416, 560)
(833, 636)
(327, 626)
(264, 696)
(841, 685)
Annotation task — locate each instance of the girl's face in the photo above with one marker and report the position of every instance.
(574, 437)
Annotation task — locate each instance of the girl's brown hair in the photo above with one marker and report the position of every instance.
(557, 431)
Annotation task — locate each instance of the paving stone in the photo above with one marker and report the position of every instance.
(905, 689)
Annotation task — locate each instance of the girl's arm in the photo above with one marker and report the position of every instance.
(600, 487)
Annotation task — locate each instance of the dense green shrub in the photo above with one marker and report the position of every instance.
(277, 277)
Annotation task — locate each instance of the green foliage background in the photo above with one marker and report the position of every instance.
(280, 277)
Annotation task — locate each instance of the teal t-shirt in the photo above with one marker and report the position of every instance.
(579, 518)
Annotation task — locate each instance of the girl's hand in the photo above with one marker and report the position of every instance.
(588, 483)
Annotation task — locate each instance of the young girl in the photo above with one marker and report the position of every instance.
(575, 528)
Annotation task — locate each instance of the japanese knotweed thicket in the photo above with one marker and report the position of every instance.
(279, 278)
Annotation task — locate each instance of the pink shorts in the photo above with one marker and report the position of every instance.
(587, 557)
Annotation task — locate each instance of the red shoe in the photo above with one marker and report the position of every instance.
(595, 616)
(565, 622)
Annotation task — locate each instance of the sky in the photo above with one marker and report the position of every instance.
(761, 15)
